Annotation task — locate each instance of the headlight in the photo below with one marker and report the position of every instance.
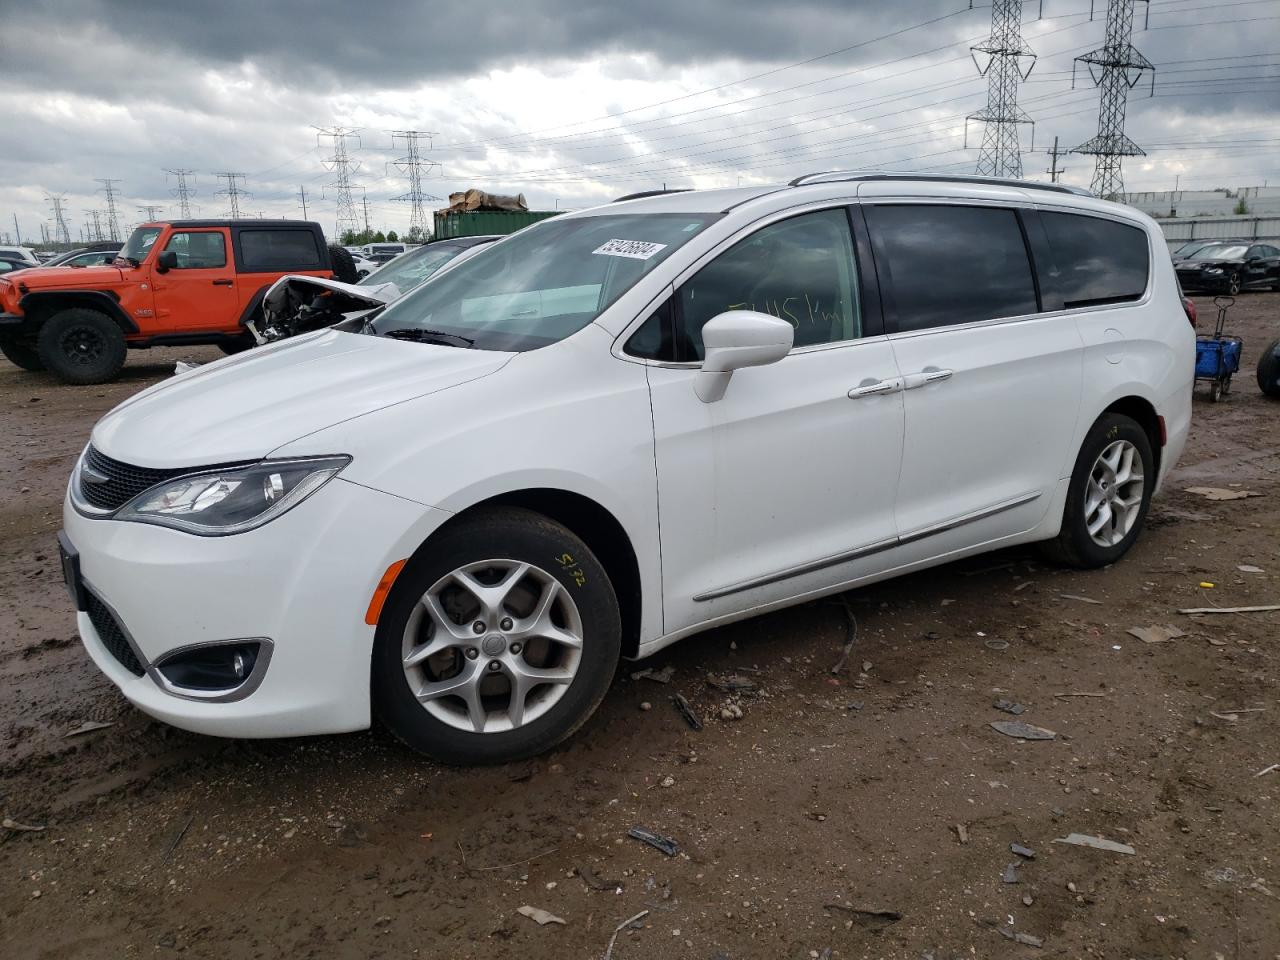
(1213, 270)
(222, 502)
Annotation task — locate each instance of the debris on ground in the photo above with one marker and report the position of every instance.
(1097, 843)
(1011, 872)
(731, 711)
(14, 825)
(866, 916)
(996, 644)
(1078, 693)
(183, 366)
(1025, 939)
(1234, 714)
(1073, 596)
(619, 928)
(595, 881)
(538, 916)
(854, 705)
(1025, 852)
(1249, 568)
(852, 636)
(87, 727)
(686, 711)
(1264, 609)
(656, 840)
(1261, 773)
(1156, 633)
(1008, 706)
(1221, 493)
(646, 706)
(667, 781)
(659, 676)
(1022, 731)
(177, 837)
(732, 683)
(962, 832)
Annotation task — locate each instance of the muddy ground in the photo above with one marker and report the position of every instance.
(885, 789)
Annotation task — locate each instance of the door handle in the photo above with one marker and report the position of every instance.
(876, 388)
(925, 377)
(222, 283)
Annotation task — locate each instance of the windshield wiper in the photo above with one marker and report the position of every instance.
(426, 336)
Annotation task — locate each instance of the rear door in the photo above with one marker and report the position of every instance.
(991, 386)
(199, 293)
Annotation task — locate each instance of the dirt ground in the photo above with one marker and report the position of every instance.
(884, 789)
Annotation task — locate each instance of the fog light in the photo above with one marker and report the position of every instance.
(211, 668)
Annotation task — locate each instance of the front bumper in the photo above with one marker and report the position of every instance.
(302, 581)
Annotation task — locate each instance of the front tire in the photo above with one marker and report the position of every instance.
(22, 355)
(81, 346)
(1109, 494)
(498, 641)
(1233, 284)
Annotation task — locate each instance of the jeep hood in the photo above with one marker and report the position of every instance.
(245, 406)
(50, 278)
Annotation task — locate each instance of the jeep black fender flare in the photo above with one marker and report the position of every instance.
(45, 303)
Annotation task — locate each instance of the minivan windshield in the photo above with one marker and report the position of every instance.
(540, 285)
(139, 244)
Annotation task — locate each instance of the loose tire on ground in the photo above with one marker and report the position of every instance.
(1269, 370)
(81, 346)
(1075, 545)
(22, 355)
(344, 265)
(569, 572)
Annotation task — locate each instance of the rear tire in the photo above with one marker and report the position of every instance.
(238, 345)
(81, 346)
(1269, 370)
(344, 265)
(22, 355)
(575, 644)
(1115, 501)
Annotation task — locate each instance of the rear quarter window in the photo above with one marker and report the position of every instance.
(1095, 261)
(279, 250)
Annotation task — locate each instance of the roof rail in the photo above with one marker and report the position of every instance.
(650, 193)
(839, 176)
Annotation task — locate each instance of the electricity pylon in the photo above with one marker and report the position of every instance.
(1004, 54)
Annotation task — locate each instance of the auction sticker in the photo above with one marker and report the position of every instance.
(632, 249)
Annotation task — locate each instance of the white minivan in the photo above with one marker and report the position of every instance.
(618, 428)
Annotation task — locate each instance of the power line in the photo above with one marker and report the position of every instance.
(233, 193)
(342, 168)
(151, 211)
(94, 228)
(113, 224)
(412, 166)
(1121, 67)
(60, 231)
(181, 191)
(1054, 170)
(1005, 51)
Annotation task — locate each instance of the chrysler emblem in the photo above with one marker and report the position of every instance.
(90, 475)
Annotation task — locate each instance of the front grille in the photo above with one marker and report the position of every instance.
(111, 633)
(123, 483)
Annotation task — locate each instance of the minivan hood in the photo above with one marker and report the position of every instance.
(245, 406)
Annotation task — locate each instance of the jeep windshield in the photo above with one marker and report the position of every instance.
(541, 285)
(139, 245)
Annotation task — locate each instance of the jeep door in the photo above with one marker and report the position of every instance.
(786, 484)
(198, 293)
(991, 385)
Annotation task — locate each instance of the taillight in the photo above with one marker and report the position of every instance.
(1189, 308)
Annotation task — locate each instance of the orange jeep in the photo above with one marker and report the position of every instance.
(184, 282)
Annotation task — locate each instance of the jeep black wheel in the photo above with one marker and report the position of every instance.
(22, 355)
(499, 639)
(81, 346)
(236, 345)
(344, 265)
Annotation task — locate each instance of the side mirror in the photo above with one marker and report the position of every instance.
(167, 261)
(735, 339)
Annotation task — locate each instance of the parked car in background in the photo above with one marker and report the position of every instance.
(1231, 267)
(106, 246)
(9, 264)
(617, 428)
(394, 248)
(1187, 250)
(179, 282)
(89, 258)
(20, 253)
(363, 265)
(295, 305)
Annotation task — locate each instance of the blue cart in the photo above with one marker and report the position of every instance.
(1218, 356)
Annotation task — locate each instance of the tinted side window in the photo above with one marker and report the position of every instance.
(279, 250)
(951, 264)
(198, 251)
(801, 270)
(1095, 260)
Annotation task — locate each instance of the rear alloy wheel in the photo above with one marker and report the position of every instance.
(1109, 494)
(22, 355)
(499, 640)
(81, 346)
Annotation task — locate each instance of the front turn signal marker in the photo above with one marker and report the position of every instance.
(380, 592)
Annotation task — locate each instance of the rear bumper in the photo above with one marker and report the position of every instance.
(303, 582)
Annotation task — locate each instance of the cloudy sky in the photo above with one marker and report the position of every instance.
(573, 102)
